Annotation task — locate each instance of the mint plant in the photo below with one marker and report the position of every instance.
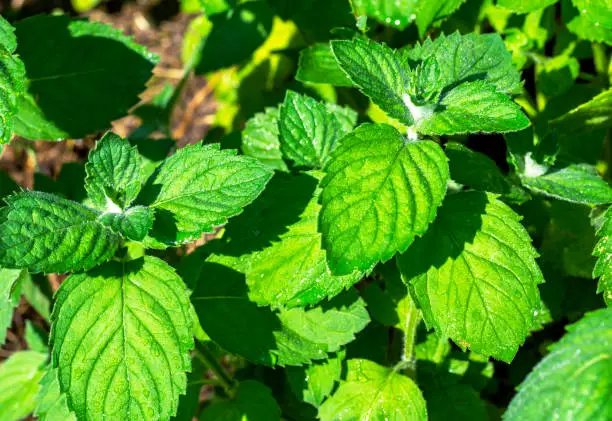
(401, 211)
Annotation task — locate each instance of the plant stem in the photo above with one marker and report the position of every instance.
(411, 323)
(202, 352)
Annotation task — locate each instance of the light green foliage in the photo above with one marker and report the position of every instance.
(313, 383)
(310, 130)
(603, 251)
(432, 12)
(598, 12)
(253, 402)
(284, 337)
(293, 271)
(593, 115)
(10, 289)
(113, 173)
(122, 333)
(38, 294)
(573, 382)
(133, 224)
(45, 233)
(199, 187)
(374, 392)
(574, 183)
(317, 64)
(82, 75)
(378, 73)
(36, 338)
(260, 139)
(379, 192)
(521, 6)
(472, 107)
(578, 23)
(19, 376)
(12, 75)
(399, 13)
(51, 403)
(474, 275)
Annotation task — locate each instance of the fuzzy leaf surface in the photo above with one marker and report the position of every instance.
(379, 192)
(133, 224)
(113, 172)
(45, 233)
(199, 188)
(19, 376)
(10, 290)
(373, 392)
(603, 252)
(474, 275)
(573, 381)
(122, 333)
(12, 75)
(310, 130)
(260, 139)
(574, 183)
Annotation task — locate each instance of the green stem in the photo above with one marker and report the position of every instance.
(411, 323)
(202, 352)
(600, 58)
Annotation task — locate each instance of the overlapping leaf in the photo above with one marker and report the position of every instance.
(19, 376)
(317, 64)
(379, 192)
(315, 382)
(260, 139)
(603, 251)
(133, 224)
(51, 403)
(12, 75)
(474, 275)
(593, 115)
(122, 333)
(10, 290)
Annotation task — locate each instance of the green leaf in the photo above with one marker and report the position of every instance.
(599, 12)
(200, 187)
(573, 381)
(260, 139)
(378, 73)
(19, 376)
(475, 170)
(113, 173)
(285, 337)
(432, 12)
(471, 107)
(38, 294)
(310, 130)
(373, 392)
(12, 75)
(293, 271)
(253, 402)
(188, 403)
(595, 114)
(317, 64)
(313, 383)
(82, 75)
(36, 338)
(398, 13)
(474, 275)
(51, 402)
(582, 26)
(10, 290)
(379, 192)
(59, 235)
(122, 332)
(574, 183)
(520, 6)
(133, 224)
(464, 58)
(603, 252)
(557, 75)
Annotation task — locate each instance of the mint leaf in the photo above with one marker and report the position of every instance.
(520, 6)
(122, 332)
(19, 376)
(200, 187)
(11, 81)
(574, 183)
(133, 224)
(399, 13)
(470, 108)
(285, 337)
(372, 392)
(10, 290)
(582, 26)
(59, 235)
(38, 294)
(293, 271)
(598, 12)
(557, 75)
(378, 73)
(36, 338)
(82, 75)
(593, 115)
(51, 402)
(603, 252)
(379, 192)
(432, 12)
(310, 130)
(260, 139)
(313, 383)
(113, 173)
(317, 64)
(573, 380)
(253, 402)
(474, 275)
(465, 58)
